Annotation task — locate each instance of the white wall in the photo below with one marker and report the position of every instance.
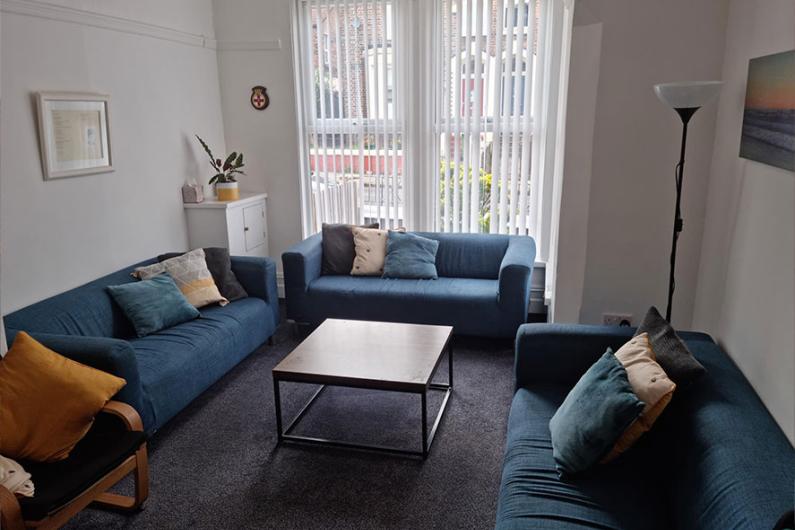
(635, 148)
(59, 234)
(746, 282)
(586, 45)
(269, 138)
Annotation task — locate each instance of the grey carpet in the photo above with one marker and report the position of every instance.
(215, 464)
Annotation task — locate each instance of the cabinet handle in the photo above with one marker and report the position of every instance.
(245, 229)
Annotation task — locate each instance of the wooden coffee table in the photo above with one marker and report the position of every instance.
(374, 355)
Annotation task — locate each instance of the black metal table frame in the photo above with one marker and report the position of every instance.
(427, 437)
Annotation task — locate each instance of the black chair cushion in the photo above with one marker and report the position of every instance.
(102, 449)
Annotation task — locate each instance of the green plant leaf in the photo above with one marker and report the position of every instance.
(239, 161)
(209, 153)
(230, 159)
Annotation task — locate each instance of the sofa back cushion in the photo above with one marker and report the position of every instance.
(87, 310)
(469, 255)
(733, 464)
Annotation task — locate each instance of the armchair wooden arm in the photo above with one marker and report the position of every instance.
(128, 415)
(11, 517)
(10, 512)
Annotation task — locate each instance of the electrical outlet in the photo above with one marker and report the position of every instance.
(616, 319)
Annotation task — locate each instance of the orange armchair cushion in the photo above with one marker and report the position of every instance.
(47, 402)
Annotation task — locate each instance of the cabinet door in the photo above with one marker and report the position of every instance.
(254, 226)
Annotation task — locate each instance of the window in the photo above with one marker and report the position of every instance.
(352, 126)
(486, 53)
(432, 114)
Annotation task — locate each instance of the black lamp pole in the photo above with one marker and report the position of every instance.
(685, 113)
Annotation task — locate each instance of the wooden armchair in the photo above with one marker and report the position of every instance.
(114, 447)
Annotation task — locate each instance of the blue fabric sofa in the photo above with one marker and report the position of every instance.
(167, 370)
(483, 287)
(715, 459)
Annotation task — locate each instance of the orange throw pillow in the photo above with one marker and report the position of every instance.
(649, 382)
(47, 402)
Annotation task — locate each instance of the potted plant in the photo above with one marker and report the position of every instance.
(224, 180)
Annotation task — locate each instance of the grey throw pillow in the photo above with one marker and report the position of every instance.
(672, 354)
(339, 250)
(220, 265)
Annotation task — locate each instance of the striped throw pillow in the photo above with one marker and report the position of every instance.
(191, 275)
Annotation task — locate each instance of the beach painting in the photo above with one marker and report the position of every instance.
(768, 134)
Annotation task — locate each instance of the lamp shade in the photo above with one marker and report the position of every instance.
(687, 94)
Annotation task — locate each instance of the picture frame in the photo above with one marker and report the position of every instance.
(768, 132)
(74, 133)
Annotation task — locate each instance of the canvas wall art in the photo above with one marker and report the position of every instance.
(768, 134)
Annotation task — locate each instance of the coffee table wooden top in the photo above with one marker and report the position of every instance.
(364, 354)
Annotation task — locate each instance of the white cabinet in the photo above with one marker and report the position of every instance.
(241, 225)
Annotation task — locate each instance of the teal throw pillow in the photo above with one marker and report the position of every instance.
(410, 256)
(154, 304)
(593, 416)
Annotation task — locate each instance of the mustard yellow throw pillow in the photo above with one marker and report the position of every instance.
(649, 382)
(47, 402)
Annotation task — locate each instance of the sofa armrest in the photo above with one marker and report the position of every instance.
(561, 353)
(258, 278)
(114, 356)
(302, 264)
(515, 272)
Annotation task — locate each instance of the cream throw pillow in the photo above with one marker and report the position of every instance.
(370, 244)
(190, 273)
(649, 382)
(14, 478)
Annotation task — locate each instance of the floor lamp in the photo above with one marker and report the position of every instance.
(685, 98)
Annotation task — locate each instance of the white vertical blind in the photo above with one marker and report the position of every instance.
(485, 121)
(351, 111)
(478, 84)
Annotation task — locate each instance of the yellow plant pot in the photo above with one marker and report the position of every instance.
(227, 191)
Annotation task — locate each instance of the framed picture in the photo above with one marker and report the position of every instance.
(74, 131)
(769, 118)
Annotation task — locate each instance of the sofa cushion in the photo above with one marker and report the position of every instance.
(154, 304)
(593, 416)
(410, 256)
(191, 275)
(179, 363)
(468, 255)
(649, 382)
(48, 402)
(370, 246)
(339, 250)
(446, 301)
(220, 265)
(87, 310)
(669, 349)
(627, 493)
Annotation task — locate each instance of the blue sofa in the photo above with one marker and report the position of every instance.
(483, 287)
(167, 370)
(715, 459)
